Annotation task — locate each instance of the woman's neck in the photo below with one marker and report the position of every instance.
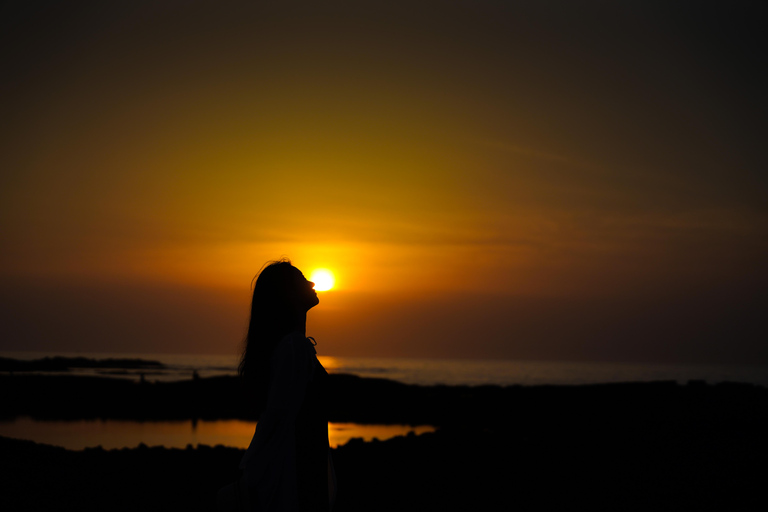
(299, 324)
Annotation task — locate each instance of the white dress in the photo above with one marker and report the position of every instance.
(269, 481)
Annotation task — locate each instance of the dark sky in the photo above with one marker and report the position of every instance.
(537, 180)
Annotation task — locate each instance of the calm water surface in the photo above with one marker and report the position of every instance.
(438, 371)
(109, 434)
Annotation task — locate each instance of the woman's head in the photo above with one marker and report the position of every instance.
(281, 298)
(282, 288)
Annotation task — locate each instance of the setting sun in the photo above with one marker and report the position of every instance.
(323, 279)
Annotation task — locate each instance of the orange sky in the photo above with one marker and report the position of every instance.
(486, 179)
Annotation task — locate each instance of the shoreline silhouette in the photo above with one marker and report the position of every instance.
(362, 400)
(645, 446)
(631, 446)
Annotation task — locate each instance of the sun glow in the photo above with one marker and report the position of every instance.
(323, 279)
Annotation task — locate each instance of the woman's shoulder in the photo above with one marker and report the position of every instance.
(294, 346)
(294, 336)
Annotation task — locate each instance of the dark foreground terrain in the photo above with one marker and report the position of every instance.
(642, 446)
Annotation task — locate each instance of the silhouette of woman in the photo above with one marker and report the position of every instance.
(288, 463)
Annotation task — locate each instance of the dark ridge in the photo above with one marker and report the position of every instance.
(381, 401)
(538, 465)
(629, 447)
(63, 364)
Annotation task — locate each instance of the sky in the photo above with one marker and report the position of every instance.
(539, 180)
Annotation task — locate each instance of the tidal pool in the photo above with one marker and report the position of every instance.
(109, 434)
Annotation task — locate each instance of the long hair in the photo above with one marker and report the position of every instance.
(270, 320)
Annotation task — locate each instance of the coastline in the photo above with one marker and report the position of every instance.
(378, 401)
(629, 446)
(538, 465)
(425, 372)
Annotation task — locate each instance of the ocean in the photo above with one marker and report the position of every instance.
(449, 372)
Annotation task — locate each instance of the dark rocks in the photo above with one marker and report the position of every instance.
(635, 446)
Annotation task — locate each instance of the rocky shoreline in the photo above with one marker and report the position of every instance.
(633, 446)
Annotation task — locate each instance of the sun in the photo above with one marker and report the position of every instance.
(323, 279)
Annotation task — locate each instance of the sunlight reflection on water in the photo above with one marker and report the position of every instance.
(109, 434)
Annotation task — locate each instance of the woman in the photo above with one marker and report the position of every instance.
(287, 465)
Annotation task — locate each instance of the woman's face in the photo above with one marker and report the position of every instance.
(303, 291)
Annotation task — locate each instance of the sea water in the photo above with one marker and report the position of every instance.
(427, 372)
(116, 434)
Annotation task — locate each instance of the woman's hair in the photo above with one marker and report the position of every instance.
(271, 316)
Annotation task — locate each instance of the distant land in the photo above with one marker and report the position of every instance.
(61, 364)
